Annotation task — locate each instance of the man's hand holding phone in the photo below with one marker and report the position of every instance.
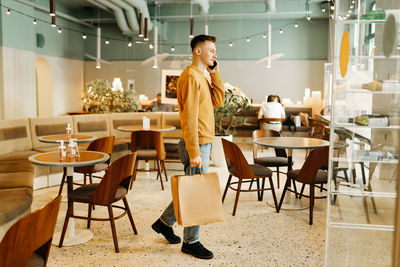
(214, 68)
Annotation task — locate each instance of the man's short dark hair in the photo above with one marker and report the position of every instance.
(200, 39)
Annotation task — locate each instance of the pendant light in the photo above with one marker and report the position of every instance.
(52, 8)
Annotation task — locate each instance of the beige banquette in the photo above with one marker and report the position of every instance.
(19, 140)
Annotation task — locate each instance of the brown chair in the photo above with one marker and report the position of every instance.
(112, 188)
(149, 145)
(280, 159)
(105, 145)
(28, 241)
(317, 128)
(311, 174)
(239, 167)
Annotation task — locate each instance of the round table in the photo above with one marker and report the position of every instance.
(51, 159)
(291, 143)
(156, 128)
(57, 138)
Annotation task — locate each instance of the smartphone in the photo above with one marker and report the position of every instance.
(213, 66)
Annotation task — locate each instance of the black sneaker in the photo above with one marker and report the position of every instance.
(166, 231)
(197, 250)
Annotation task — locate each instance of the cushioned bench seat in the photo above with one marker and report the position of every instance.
(14, 202)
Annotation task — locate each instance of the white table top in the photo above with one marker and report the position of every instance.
(56, 138)
(291, 142)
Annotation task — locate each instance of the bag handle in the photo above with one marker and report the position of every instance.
(190, 171)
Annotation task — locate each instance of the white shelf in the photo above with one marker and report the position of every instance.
(356, 160)
(361, 21)
(366, 91)
(359, 193)
(361, 226)
(353, 125)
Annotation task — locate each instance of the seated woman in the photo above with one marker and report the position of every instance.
(272, 109)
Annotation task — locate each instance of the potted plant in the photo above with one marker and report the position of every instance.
(226, 121)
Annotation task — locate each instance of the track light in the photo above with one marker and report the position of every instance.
(172, 49)
(141, 24)
(280, 31)
(34, 22)
(146, 30)
(52, 8)
(84, 36)
(230, 44)
(248, 39)
(59, 30)
(296, 25)
(107, 42)
(8, 12)
(53, 21)
(191, 28)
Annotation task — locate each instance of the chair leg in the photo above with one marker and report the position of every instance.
(322, 188)
(294, 188)
(302, 190)
(251, 184)
(262, 188)
(287, 184)
(62, 181)
(226, 187)
(312, 187)
(165, 170)
(67, 216)
(159, 172)
(91, 178)
(114, 233)
(84, 179)
(128, 210)
(134, 174)
(89, 215)
(277, 175)
(237, 196)
(372, 198)
(271, 184)
(258, 190)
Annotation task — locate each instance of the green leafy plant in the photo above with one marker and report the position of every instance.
(101, 98)
(226, 117)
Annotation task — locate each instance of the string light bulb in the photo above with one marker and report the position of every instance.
(264, 36)
(151, 46)
(84, 36)
(332, 8)
(230, 44)
(59, 30)
(280, 31)
(323, 10)
(172, 49)
(34, 22)
(248, 39)
(8, 12)
(129, 43)
(296, 25)
(308, 17)
(107, 42)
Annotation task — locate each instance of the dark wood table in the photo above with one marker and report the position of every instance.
(156, 128)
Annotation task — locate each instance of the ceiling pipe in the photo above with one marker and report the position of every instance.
(141, 6)
(270, 5)
(119, 16)
(204, 5)
(93, 2)
(129, 12)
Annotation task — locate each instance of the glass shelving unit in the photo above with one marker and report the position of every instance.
(363, 175)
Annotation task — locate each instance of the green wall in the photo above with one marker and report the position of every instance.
(308, 42)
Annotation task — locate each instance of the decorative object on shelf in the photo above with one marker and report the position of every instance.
(102, 97)
(344, 53)
(225, 119)
(374, 120)
(390, 33)
(373, 86)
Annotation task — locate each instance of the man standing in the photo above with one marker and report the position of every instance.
(197, 96)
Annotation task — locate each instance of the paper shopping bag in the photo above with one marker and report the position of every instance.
(197, 199)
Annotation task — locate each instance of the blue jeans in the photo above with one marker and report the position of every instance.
(190, 234)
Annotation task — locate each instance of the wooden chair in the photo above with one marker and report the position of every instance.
(112, 188)
(28, 241)
(105, 145)
(239, 167)
(149, 145)
(311, 174)
(317, 128)
(280, 159)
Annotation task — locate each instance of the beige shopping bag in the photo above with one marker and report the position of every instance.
(197, 199)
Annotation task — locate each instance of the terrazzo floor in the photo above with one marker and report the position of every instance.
(256, 236)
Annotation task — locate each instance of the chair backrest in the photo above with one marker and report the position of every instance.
(119, 173)
(148, 140)
(316, 127)
(317, 158)
(279, 152)
(32, 233)
(104, 144)
(236, 160)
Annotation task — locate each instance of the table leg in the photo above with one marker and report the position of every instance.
(73, 237)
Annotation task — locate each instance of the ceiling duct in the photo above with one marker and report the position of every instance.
(129, 12)
(119, 16)
(141, 6)
(204, 5)
(270, 5)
